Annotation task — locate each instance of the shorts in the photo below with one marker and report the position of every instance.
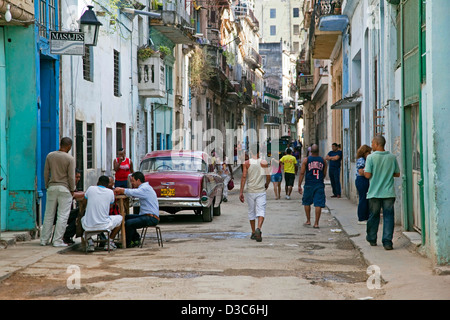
(290, 178)
(276, 177)
(256, 205)
(113, 222)
(314, 194)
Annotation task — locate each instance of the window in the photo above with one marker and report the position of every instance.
(120, 136)
(296, 29)
(117, 73)
(273, 30)
(90, 145)
(169, 79)
(273, 13)
(296, 46)
(87, 63)
(47, 17)
(296, 12)
(79, 145)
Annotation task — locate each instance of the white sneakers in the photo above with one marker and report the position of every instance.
(60, 244)
(288, 198)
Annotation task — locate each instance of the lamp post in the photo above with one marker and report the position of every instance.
(90, 26)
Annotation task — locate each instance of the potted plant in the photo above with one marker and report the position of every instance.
(144, 53)
(164, 51)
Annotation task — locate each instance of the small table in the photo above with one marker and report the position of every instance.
(124, 208)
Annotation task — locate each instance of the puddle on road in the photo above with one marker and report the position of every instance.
(167, 236)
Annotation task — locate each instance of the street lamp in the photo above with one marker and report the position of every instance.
(90, 26)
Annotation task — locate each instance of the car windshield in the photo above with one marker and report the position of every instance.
(173, 164)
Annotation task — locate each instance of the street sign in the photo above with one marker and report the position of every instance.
(67, 43)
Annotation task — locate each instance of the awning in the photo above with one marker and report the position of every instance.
(346, 103)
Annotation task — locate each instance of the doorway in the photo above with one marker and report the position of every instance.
(413, 163)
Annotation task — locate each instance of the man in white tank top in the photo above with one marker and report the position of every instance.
(257, 177)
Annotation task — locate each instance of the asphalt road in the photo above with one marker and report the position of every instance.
(210, 261)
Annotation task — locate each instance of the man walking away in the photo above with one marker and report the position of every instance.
(314, 169)
(335, 159)
(256, 175)
(290, 171)
(59, 178)
(381, 168)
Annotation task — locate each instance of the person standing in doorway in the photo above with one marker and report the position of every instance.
(381, 168)
(290, 170)
(362, 183)
(123, 167)
(334, 158)
(256, 176)
(314, 169)
(59, 178)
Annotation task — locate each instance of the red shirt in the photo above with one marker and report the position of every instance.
(124, 170)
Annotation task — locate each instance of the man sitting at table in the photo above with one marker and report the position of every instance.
(99, 200)
(149, 208)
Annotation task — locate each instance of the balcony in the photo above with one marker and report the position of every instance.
(152, 77)
(306, 84)
(175, 22)
(272, 120)
(327, 25)
(253, 58)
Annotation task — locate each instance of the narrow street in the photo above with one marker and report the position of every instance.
(210, 261)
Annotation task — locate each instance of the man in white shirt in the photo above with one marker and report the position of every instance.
(99, 199)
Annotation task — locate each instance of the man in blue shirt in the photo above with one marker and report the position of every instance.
(334, 158)
(149, 208)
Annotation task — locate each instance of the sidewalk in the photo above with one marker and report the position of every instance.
(18, 250)
(405, 273)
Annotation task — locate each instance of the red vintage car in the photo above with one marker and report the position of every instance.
(182, 181)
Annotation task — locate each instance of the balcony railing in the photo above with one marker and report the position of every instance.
(175, 21)
(328, 7)
(271, 120)
(306, 83)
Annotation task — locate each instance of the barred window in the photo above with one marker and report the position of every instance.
(117, 73)
(90, 145)
(87, 64)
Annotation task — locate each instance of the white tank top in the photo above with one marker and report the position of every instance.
(256, 177)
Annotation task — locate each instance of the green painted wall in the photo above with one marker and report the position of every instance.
(3, 161)
(21, 127)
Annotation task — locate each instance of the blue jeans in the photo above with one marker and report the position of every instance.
(137, 221)
(335, 174)
(375, 206)
(362, 185)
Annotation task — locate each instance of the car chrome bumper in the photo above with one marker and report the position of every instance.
(180, 202)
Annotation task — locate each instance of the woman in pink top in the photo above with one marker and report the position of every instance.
(276, 177)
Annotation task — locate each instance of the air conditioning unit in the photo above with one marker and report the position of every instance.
(152, 77)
